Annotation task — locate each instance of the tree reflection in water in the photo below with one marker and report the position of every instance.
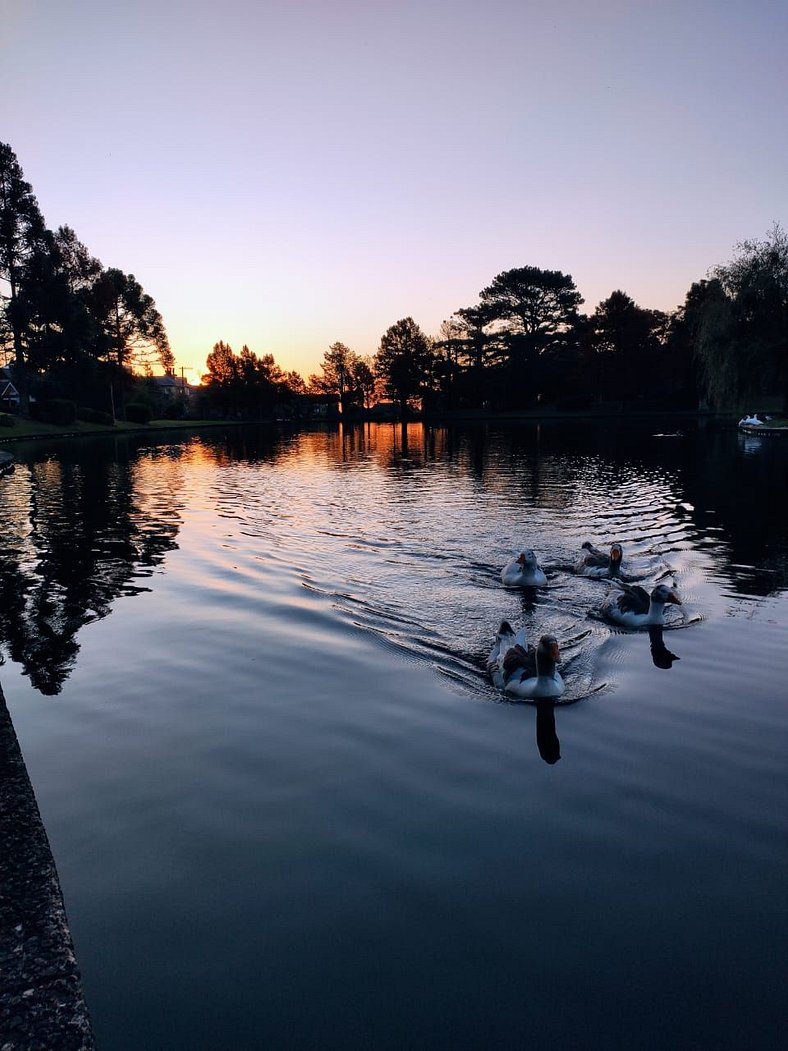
(84, 526)
(75, 534)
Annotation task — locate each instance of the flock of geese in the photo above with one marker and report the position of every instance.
(530, 672)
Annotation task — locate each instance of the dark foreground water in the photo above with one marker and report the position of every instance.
(289, 811)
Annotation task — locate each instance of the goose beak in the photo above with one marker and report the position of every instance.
(555, 652)
(673, 597)
(521, 559)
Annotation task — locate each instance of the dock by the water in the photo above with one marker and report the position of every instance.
(42, 1005)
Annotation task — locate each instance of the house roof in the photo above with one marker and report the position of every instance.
(171, 383)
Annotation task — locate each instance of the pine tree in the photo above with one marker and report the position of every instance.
(22, 229)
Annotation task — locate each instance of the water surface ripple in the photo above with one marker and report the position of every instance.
(290, 810)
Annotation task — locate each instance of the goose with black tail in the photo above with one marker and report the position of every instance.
(633, 607)
(598, 564)
(524, 671)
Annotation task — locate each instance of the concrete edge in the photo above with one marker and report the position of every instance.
(42, 1004)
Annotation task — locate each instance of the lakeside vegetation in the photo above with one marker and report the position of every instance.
(81, 342)
(22, 427)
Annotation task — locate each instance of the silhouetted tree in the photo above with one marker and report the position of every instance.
(531, 313)
(708, 316)
(479, 350)
(446, 371)
(532, 303)
(337, 375)
(346, 375)
(681, 361)
(364, 380)
(64, 316)
(294, 382)
(403, 362)
(335, 369)
(756, 283)
(626, 338)
(459, 350)
(245, 384)
(44, 305)
(222, 365)
(80, 268)
(132, 327)
(82, 332)
(21, 231)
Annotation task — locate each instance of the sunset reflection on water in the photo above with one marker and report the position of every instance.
(279, 784)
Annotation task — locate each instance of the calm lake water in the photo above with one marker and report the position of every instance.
(288, 809)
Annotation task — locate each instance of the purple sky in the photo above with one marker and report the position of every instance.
(294, 173)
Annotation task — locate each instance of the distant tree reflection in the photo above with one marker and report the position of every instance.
(700, 470)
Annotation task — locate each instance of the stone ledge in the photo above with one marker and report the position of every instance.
(42, 1005)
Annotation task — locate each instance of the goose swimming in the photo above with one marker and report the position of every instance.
(506, 638)
(521, 670)
(599, 564)
(633, 607)
(523, 571)
(754, 419)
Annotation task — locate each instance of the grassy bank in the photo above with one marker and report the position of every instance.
(27, 429)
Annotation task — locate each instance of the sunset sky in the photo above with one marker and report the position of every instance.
(288, 174)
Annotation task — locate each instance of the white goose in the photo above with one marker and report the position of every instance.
(523, 572)
(633, 607)
(521, 670)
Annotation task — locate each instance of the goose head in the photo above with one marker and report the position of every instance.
(527, 558)
(616, 555)
(662, 594)
(547, 655)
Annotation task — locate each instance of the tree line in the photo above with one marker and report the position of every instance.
(526, 343)
(63, 314)
(72, 326)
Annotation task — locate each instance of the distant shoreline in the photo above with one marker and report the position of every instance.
(121, 429)
(34, 431)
